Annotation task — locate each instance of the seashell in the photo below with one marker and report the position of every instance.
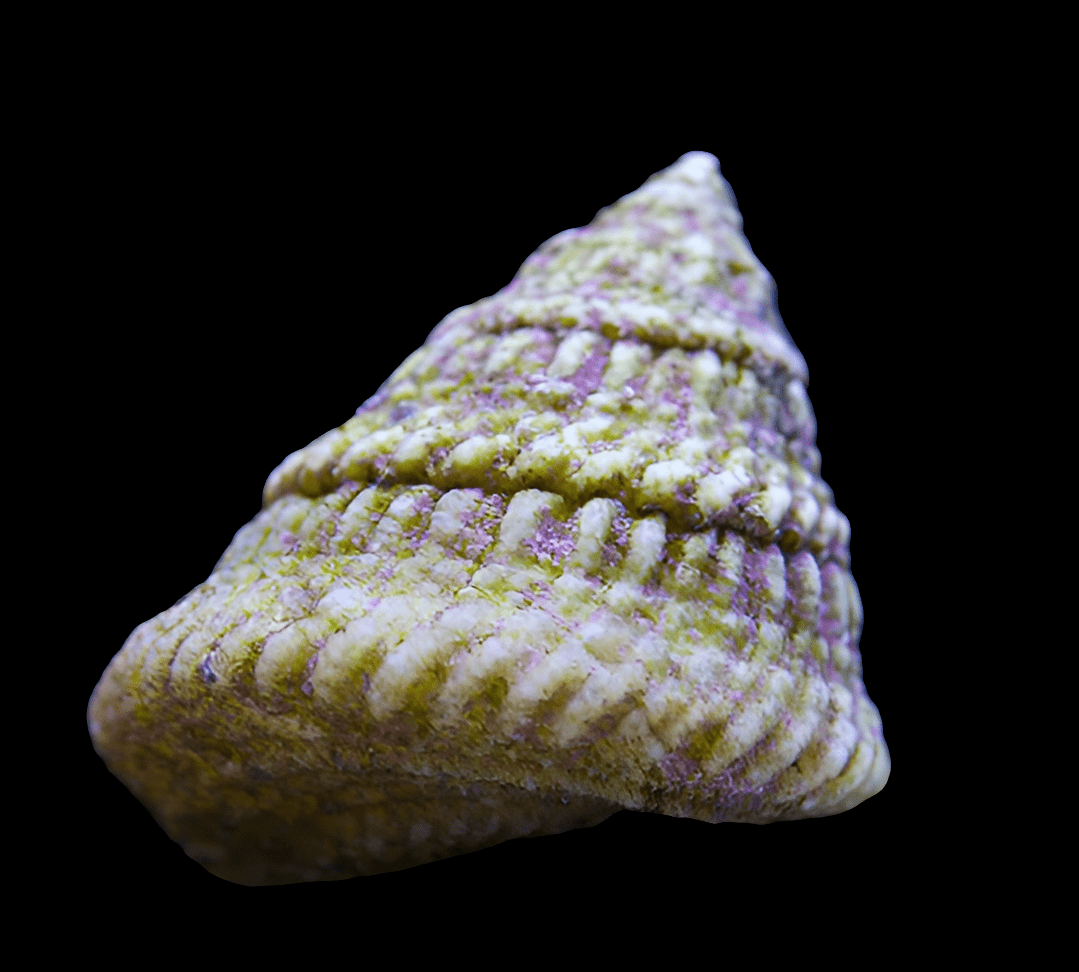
(575, 556)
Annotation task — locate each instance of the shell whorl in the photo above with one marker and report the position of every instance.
(640, 357)
(574, 556)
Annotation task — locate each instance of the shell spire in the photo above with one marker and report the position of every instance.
(575, 556)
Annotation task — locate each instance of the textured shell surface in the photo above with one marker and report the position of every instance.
(574, 556)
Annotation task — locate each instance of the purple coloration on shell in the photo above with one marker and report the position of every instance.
(587, 378)
(552, 539)
(618, 538)
(832, 622)
(402, 411)
(679, 770)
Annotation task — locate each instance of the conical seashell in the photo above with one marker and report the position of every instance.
(574, 556)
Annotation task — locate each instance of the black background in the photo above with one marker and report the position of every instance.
(243, 273)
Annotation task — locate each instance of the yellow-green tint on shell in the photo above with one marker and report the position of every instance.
(575, 556)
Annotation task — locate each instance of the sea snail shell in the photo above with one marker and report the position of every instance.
(574, 556)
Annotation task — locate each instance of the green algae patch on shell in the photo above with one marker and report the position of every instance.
(575, 556)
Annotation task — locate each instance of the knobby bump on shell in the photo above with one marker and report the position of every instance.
(574, 556)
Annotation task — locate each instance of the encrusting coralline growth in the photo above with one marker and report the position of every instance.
(574, 556)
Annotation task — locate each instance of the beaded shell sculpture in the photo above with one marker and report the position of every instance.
(575, 556)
